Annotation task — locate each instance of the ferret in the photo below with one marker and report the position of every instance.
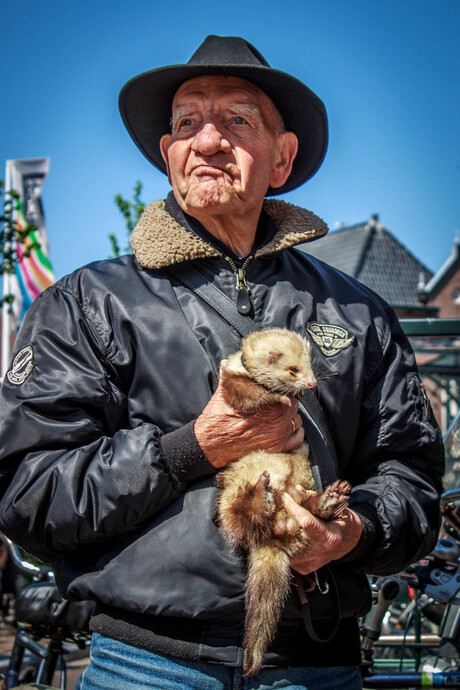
(273, 366)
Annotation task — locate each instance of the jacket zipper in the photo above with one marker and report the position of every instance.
(243, 300)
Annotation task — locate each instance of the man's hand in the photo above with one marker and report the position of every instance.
(329, 540)
(224, 435)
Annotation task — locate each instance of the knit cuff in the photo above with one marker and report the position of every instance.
(183, 456)
(368, 535)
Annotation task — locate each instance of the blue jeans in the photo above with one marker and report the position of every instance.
(118, 666)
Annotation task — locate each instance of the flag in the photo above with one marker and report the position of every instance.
(33, 270)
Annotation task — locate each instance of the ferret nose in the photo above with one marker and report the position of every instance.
(312, 384)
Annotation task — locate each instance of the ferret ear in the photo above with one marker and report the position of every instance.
(274, 356)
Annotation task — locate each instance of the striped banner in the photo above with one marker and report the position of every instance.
(33, 271)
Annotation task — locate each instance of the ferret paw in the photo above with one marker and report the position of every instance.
(332, 501)
(259, 496)
(264, 481)
(247, 521)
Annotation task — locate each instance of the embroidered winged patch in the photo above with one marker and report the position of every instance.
(22, 365)
(330, 339)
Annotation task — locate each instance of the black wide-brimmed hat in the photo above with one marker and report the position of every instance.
(145, 102)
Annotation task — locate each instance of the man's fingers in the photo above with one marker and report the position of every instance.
(295, 440)
(302, 516)
(282, 527)
(294, 424)
(289, 502)
(291, 526)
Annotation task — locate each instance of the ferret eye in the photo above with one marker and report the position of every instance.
(293, 371)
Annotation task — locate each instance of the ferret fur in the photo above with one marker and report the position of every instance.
(272, 366)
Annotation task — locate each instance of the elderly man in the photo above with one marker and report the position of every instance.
(114, 425)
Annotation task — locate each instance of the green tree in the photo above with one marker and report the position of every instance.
(131, 212)
(12, 233)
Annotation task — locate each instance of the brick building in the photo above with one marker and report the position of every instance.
(442, 291)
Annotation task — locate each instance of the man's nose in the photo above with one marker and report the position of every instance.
(210, 140)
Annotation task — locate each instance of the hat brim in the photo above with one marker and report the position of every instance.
(145, 106)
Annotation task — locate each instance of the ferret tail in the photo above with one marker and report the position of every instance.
(268, 582)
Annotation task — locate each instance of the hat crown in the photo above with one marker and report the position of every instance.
(226, 51)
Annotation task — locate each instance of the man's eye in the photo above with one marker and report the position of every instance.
(238, 120)
(186, 123)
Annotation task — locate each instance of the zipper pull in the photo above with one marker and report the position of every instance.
(243, 301)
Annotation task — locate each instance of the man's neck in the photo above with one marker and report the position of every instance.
(236, 234)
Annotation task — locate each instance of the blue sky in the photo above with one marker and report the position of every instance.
(387, 70)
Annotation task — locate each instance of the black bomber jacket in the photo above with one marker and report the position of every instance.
(99, 470)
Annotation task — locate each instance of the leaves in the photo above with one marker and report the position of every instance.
(114, 244)
(131, 212)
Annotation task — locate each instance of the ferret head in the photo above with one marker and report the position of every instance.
(279, 360)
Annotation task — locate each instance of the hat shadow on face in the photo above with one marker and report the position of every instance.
(145, 102)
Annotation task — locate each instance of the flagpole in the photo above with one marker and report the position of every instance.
(6, 315)
(6, 329)
(33, 272)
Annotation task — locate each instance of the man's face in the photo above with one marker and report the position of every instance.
(226, 146)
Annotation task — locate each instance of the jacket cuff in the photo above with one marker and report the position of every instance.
(183, 456)
(368, 535)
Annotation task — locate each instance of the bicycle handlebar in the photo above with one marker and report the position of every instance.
(37, 571)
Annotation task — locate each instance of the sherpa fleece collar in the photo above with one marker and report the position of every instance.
(159, 241)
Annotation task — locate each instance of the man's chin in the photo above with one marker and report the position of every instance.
(209, 198)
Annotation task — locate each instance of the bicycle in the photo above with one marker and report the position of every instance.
(45, 624)
(418, 613)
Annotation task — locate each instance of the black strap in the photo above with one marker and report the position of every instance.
(320, 440)
(332, 588)
(190, 276)
(322, 448)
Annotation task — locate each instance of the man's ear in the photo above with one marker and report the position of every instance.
(164, 146)
(288, 150)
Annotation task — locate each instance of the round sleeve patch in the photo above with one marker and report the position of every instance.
(22, 366)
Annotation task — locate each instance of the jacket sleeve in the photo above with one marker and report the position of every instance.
(398, 460)
(74, 470)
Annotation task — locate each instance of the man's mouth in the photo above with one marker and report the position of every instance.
(210, 171)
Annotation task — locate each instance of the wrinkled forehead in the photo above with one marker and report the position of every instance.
(226, 88)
